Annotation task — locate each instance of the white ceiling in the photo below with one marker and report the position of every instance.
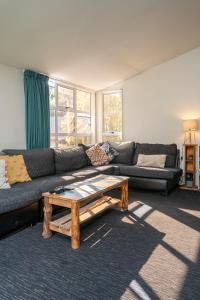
(96, 43)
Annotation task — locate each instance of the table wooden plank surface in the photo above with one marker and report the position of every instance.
(91, 187)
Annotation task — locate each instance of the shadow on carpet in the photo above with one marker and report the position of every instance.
(122, 255)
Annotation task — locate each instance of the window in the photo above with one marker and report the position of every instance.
(70, 116)
(112, 116)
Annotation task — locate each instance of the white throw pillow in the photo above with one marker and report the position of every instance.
(3, 178)
(155, 161)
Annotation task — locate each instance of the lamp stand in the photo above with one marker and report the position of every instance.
(189, 137)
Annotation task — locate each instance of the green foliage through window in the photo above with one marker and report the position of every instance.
(70, 117)
(112, 116)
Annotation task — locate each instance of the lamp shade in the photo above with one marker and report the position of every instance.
(190, 125)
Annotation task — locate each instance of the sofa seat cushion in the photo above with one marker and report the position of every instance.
(23, 194)
(116, 168)
(39, 162)
(147, 172)
(89, 172)
(17, 197)
(83, 173)
(48, 183)
(107, 170)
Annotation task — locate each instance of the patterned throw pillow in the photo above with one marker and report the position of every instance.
(97, 156)
(16, 169)
(110, 151)
(3, 178)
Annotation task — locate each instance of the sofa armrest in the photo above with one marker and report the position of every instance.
(178, 162)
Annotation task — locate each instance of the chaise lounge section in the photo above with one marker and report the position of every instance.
(158, 179)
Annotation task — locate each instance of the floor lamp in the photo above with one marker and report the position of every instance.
(190, 127)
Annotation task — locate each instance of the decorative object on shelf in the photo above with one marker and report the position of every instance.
(190, 165)
(189, 180)
(190, 127)
(190, 157)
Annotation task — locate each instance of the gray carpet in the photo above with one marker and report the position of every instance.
(150, 252)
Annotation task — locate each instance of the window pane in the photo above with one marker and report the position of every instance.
(65, 97)
(52, 98)
(53, 141)
(84, 140)
(83, 101)
(112, 138)
(69, 124)
(52, 121)
(113, 103)
(66, 122)
(113, 123)
(83, 124)
(113, 112)
(66, 141)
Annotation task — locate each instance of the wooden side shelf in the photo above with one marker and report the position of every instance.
(184, 187)
(190, 166)
(63, 225)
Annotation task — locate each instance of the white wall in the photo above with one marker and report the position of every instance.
(12, 121)
(156, 101)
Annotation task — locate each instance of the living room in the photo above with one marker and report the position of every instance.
(99, 149)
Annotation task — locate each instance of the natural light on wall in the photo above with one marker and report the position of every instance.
(112, 116)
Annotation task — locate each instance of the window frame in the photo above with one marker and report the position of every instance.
(76, 135)
(112, 133)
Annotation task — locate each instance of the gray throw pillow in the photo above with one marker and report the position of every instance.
(110, 151)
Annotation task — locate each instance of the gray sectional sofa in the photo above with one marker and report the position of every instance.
(22, 204)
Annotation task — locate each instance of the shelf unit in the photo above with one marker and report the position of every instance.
(198, 167)
(190, 166)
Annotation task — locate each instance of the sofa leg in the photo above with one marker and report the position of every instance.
(164, 193)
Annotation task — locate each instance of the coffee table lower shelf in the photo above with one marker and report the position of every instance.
(63, 225)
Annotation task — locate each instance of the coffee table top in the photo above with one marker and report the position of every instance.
(90, 187)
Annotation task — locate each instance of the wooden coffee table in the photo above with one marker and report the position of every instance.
(82, 209)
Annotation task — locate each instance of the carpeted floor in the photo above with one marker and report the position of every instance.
(151, 252)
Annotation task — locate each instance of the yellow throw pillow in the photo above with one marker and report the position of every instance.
(16, 169)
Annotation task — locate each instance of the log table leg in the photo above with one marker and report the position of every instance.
(75, 226)
(47, 218)
(123, 204)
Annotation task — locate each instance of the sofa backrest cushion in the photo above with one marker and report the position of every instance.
(39, 162)
(125, 150)
(151, 149)
(85, 148)
(70, 159)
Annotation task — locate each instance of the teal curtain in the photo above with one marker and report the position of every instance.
(36, 91)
